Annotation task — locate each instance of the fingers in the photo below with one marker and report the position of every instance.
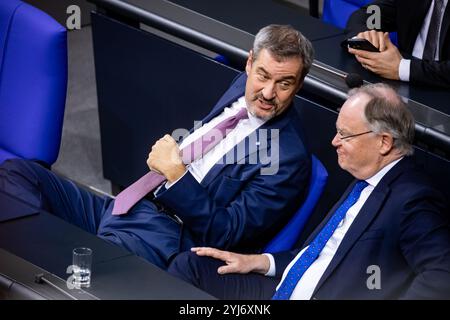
(217, 254)
(384, 40)
(211, 252)
(387, 41)
(227, 269)
(366, 63)
(151, 162)
(369, 36)
(164, 157)
(167, 139)
(363, 35)
(374, 37)
(363, 53)
(380, 40)
(366, 58)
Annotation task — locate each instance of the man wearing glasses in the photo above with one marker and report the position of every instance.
(386, 238)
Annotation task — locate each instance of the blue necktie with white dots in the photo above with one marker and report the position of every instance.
(310, 255)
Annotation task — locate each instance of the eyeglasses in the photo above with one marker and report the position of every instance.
(341, 137)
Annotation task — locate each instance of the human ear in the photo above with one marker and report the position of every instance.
(248, 66)
(386, 143)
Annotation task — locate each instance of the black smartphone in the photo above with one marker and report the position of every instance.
(361, 44)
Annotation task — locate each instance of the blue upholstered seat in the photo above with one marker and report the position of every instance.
(33, 82)
(288, 236)
(337, 13)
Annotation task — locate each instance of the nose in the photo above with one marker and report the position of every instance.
(268, 91)
(336, 141)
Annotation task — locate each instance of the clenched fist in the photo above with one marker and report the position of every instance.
(165, 159)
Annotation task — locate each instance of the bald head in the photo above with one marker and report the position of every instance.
(385, 111)
(373, 128)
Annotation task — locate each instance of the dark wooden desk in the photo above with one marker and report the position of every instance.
(47, 241)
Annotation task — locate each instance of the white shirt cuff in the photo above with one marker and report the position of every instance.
(403, 69)
(169, 184)
(272, 270)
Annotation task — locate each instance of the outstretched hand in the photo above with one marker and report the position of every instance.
(235, 262)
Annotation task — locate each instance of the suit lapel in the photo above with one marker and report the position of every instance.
(276, 123)
(367, 213)
(236, 91)
(419, 13)
(329, 215)
(237, 158)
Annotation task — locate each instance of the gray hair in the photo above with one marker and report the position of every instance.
(386, 112)
(283, 41)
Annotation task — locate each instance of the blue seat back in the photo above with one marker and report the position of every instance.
(337, 12)
(288, 236)
(33, 82)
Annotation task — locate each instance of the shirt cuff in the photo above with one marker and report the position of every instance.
(403, 69)
(272, 270)
(169, 184)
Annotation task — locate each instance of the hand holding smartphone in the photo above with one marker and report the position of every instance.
(361, 44)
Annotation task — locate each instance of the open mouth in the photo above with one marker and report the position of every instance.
(264, 105)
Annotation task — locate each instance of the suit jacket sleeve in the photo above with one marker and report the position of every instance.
(425, 244)
(436, 73)
(282, 260)
(259, 203)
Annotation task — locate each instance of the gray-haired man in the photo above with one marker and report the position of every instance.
(387, 237)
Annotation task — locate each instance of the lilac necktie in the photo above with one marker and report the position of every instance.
(139, 189)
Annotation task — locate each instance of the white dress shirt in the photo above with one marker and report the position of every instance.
(404, 68)
(308, 282)
(200, 167)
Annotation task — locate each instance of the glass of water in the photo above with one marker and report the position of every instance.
(82, 263)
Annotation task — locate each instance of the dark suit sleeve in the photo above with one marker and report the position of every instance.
(425, 244)
(282, 259)
(257, 203)
(358, 20)
(435, 73)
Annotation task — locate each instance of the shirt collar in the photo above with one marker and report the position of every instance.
(376, 178)
(253, 120)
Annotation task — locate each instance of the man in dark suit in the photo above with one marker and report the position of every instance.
(423, 53)
(237, 195)
(386, 238)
